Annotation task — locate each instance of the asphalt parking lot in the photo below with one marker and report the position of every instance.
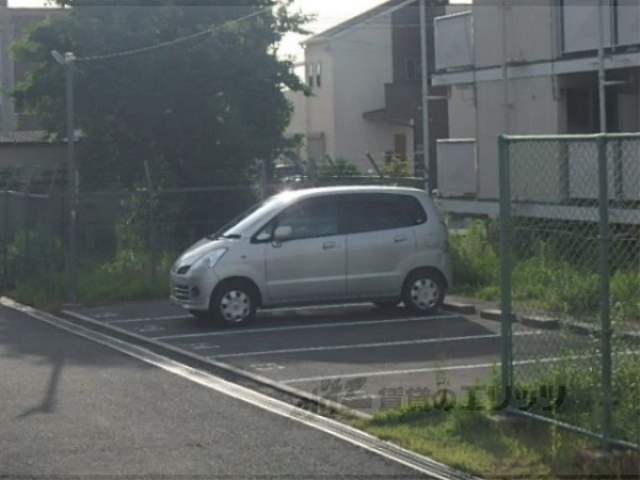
(358, 355)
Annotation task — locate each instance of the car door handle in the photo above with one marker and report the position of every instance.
(329, 245)
(400, 238)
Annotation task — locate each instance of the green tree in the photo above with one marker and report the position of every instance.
(199, 110)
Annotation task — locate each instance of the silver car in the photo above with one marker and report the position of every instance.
(385, 245)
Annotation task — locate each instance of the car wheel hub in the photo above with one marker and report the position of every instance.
(425, 293)
(235, 306)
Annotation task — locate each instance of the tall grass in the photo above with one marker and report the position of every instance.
(546, 274)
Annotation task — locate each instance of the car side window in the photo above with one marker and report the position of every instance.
(317, 217)
(373, 212)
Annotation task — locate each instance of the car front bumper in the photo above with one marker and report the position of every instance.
(192, 293)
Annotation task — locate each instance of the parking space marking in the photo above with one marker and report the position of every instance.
(367, 345)
(150, 329)
(151, 319)
(306, 327)
(438, 369)
(202, 346)
(266, 366)
(104, 316)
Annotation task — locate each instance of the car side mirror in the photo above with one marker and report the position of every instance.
(283, 233)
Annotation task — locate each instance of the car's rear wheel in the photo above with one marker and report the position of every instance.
(234, 303)
(424, 292)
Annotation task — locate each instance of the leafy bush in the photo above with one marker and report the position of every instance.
(33, 253)
(476, 264)
(341, 168)
(397, 167)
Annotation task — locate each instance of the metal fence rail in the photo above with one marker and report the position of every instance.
(579, 280)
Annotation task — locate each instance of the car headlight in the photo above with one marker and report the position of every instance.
(210, 260)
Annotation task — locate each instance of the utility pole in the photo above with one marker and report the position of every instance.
(67, 61)
(7, 110)
(601, 69)
(426, 142)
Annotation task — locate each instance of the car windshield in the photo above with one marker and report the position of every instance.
(233, 229)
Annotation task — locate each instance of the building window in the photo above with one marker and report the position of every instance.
(310, 75)
(319, 75)
(412, 69)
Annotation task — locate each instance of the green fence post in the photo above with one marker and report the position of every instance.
(5, 236)
(505, 266)
(605, 271)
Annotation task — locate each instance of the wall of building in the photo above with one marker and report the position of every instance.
(320, 117)
(363, 65)
(462, 111)
(533, 111)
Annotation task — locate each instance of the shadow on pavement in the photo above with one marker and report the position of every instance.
(39, 343)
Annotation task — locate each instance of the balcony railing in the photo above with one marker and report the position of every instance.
(580, 24)
(454, 41)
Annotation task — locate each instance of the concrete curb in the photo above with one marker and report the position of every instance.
(495, 315)
(457, 307)
(541, 322)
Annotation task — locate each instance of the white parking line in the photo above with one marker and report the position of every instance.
(306, 327)
(438, 369)
(368, 345)
(150, 319)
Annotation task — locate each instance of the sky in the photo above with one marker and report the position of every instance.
(329, 13)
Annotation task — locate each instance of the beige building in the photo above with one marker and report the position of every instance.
(528, 69)
(347, 68)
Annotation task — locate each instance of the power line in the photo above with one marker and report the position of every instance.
(172, 42)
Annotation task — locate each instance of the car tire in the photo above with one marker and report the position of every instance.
(423, 292)
(234, 303)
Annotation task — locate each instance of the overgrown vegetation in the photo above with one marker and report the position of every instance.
(341, 167)
(556, 272)
(470, 434)
(480, 444)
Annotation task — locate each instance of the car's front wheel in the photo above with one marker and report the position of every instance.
(234, 303)
(424, 292)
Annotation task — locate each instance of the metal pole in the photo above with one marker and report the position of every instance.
(72, 182)
(601, 69)
(7, 113)
(605, 275)
(425, 95)
(505, 267)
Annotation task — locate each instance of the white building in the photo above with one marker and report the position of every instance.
(528, 68)
(347, 68)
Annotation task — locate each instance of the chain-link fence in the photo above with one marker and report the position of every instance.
(570, 267)
(126, 239)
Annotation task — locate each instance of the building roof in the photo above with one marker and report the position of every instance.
(352, 22)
